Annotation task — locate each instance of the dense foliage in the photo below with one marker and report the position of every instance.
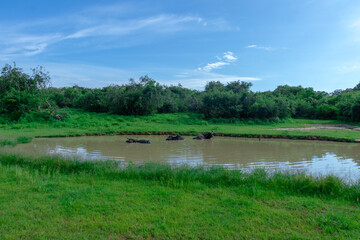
(234, 100)
(21, 95)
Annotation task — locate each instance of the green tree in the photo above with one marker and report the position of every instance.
(238, 86)
(357, 87)
(21, 93)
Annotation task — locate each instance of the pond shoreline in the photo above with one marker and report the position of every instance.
(258, 136)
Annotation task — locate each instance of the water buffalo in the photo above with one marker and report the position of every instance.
(131, 140)
(177, 137)
(207, 135)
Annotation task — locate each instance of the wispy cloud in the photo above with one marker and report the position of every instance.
(261, 47)
(226, 59)
(349, 67)
(157, 24)
(15, 45)
(104, 26)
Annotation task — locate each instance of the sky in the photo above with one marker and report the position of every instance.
(312, 43)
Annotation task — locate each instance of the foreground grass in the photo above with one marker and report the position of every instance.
(51, 198)
(79, 123)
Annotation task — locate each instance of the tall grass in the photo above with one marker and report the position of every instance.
(290, 183)
(14, 141)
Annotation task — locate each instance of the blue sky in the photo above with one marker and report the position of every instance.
(313, 43)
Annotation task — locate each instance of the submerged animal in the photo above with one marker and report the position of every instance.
(207, 135)
(131, 140)
(177, 137)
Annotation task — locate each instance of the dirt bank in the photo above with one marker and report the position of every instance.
(310, 127)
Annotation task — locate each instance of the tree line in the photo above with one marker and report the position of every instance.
(30, 96)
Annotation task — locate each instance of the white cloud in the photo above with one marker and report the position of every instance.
(198, 79)
(226, 59)
(211, 66)
(229, 56)
(261, 48)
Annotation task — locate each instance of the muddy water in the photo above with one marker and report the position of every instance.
(317, 158)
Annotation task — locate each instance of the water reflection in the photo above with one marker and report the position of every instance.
(318, 158)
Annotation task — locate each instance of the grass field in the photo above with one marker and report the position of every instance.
(77, 123)
(54, 198)
(61, 199)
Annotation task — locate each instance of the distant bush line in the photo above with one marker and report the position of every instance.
(30, 97)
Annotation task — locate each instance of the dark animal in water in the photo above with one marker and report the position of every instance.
(207, 135)
(177, 137)
(131, 140)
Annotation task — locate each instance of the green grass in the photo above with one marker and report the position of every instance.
(53, 198)
(295, 183)
(14, 141)
(77, 123)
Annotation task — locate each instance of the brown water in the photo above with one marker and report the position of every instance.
(314, 157)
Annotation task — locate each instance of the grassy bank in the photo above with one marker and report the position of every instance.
(77, 123)
(55, 198)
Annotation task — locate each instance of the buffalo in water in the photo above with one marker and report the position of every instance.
(131, 140)
(207, 135)
(177, 137)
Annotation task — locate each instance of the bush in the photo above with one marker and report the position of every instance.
(21, 93)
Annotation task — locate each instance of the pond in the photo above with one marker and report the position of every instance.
(313, 157)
